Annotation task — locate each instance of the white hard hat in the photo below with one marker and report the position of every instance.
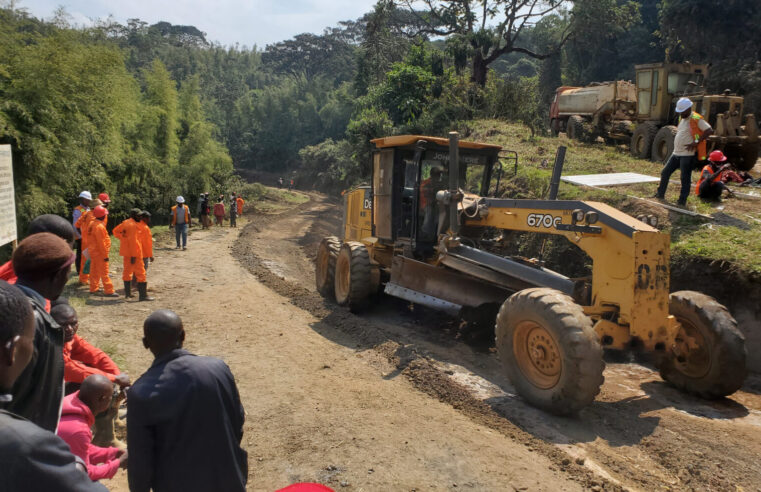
(86, 195)
(683, 104)
(180, 199)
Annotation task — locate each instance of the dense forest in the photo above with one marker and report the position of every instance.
(147, 112)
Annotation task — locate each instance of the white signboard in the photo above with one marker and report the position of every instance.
(609, 179)
(7, 197)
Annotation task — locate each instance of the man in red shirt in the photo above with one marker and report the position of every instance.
(54, 224)
(78, 416)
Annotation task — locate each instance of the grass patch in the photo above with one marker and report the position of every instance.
(731, 237)
(113, 351)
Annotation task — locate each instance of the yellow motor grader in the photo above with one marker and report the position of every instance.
(431, 228)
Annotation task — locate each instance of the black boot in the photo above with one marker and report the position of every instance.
(128, 289)
(142, 289)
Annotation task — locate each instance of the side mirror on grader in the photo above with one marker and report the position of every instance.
(427, 231)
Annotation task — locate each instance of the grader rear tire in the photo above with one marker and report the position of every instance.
(353, 280)
(708, 356)
(642, 140)
(325, 266)
(575, 128)
(549, 350)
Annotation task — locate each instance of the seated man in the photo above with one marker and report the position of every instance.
(78, 416)
(80, 360)
(711, 185)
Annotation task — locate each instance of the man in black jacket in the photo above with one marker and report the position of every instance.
(42, 263)
(185, 420)
(31, 458)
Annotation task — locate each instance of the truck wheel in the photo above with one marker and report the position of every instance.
(708, 355)
(325, 266)
(749, 157)
(663, 144)
(642, 140)
(549, 350)
(353, 276)
(575, 130)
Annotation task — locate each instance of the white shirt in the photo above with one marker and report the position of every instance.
(684, 137)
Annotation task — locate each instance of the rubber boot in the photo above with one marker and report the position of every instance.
(142, 289)
(128, 289)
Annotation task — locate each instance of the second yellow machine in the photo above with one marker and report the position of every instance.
(430, 230)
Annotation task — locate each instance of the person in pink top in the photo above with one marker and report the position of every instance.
(77, 418)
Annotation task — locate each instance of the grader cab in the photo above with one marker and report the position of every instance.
(431, 230)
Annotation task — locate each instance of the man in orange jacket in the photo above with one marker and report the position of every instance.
(145, 237)
(100, 246)
(239, 203)
(83, 224)
(131, 250)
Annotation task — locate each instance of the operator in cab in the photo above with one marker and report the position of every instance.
(689, 145)
(428, 208)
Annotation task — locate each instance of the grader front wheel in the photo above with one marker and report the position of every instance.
(707, 358)
(353, 283)
(325, 266)
(549, 350)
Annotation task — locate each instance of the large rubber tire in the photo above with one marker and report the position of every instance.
(663, 144)
(642, 140)
(749, 157)
(716, 367)
(325, 266)
(554, 127)
(575, 128)
(549, 350)
(353, 283)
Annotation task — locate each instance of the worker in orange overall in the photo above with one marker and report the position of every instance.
(239, 203)
(145, 237)
(99, 246)
(131, 251)
(83, 224)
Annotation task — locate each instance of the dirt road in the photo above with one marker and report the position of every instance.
(640, 434)
(322, 404)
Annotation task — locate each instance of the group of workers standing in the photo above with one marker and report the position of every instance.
(690, 152)
(206, 209)
(184, 419)
(90, 218)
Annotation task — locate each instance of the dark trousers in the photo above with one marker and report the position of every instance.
(233, 222)
(78, 248)
(684, 164)
(711, 191)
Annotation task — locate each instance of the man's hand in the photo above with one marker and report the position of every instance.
(151, 259)
(692, 146)
(123, 460)
(122, 380)
(105, 259)
(132, 260)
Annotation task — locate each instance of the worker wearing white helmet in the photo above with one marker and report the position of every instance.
(689, 149)
(180, 220)
(82, 207)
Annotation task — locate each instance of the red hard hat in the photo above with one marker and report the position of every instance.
(103, 197)
(717, 156)
(99, 212)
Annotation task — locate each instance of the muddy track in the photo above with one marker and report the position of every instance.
(639, 434)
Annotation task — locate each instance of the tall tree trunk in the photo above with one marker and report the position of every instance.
(480, 69)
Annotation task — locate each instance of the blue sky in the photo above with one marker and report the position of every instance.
(246, 22)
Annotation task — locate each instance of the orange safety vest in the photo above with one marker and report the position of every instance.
(706, 169)
(696, 133)
(174, 214)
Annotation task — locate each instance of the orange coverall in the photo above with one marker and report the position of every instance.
(146, 239)
(239, 202)
(100, 245)
(130, 250)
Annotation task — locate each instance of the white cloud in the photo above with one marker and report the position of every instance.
(246, 22)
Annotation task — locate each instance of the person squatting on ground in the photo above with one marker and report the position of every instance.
(185, 420)
(100, 247)
(219, 210)
(31, 458)
(83, 224)
(690, 139)
(42, 263)
(711, 183)
(233, 211)
(180, 221)
(83, 206)
(77, 418)
(130, 249)
(81, 360)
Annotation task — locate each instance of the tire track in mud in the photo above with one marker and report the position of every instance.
(639, 433)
